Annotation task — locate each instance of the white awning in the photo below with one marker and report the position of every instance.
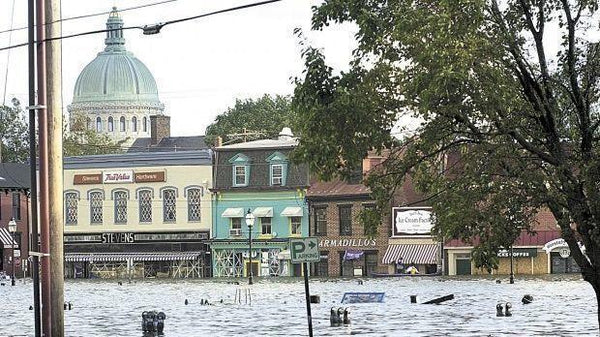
(155, 256)
(233, 213)
(292, 211)
(263, 212)
(7, 239)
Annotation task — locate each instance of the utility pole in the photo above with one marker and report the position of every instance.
(55, 167)
(43, 172)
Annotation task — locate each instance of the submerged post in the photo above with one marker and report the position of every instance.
(307, 291)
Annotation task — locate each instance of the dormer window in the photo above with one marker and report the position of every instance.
(278, 169)
(241, 170)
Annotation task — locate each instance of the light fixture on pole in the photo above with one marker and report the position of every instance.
(250, 223)
(12, 228)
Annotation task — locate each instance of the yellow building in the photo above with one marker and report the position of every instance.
(138, 214)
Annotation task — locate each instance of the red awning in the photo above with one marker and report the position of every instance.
(412, 253)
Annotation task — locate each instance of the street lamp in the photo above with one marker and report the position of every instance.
(12, 228)
(512, 274)
(250, 222)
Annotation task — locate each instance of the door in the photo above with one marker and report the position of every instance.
(463, 267)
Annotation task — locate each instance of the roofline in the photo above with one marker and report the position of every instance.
(137, 159)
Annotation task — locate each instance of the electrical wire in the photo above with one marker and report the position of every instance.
(147, 29)
(90, 15)
(12, 18)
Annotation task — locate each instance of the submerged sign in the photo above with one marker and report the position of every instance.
(305, 250)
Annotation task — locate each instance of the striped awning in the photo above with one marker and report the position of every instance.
(107, 257)
(292, 211)
(233, 213)
(412, 253)
(7, 239)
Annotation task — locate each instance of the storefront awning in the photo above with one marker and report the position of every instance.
(107, 257)
(263, 212)
(7, 239)
(233, 213)
(412, 253)
(292, 211)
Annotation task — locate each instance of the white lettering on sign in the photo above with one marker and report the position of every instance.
(411, 221)
(348, 243)
(117, 177)
(118, 238)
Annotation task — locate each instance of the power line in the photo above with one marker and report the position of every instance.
(147, 29)
(91, 15)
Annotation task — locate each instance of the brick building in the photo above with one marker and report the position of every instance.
(14, 203)
(345, 248)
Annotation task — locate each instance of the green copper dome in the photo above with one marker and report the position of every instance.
(116, 74)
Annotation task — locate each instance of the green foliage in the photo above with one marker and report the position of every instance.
(262, 118)
(83, 140)
(507, 127)
(14, 134)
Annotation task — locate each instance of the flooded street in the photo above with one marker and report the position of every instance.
(562, 307)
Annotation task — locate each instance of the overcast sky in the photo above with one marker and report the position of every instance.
(200, 66)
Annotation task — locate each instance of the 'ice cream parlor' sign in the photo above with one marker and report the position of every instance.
(411, 221)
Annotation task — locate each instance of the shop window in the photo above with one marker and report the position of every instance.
(96, 203)
(560, 265)
(169, 197)
(265, 225)
(145, 205)
(371, 262)
(111, 125)
(120, 204)
(321, 268)
(320, 221)
(134, 125)
(296, 225)
(16, 205)
(194, 197)
(345, 218)
(122, 124)
(346, 266)
(71, 203)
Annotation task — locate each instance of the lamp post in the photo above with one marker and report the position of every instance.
(512, 274)
(12, 228)
(250, 223)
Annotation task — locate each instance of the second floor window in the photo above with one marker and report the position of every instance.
(145, 205)
(71, 208)
(98, 124)
(296, 225)
(134, 124)
(169, 209)
(16, 205)
(265, 225)
(120, 207)
(320, 221)
(194, 196)
(276, 175)
(345, 213)
(236, 223)
(96, 203)
(122, 124)
(145, 124)
(111, 125)
(240, 178)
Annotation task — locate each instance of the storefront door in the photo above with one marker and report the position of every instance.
(463, 266)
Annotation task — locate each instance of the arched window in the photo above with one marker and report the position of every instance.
(145, 124)
(111, 126)
(120, 200)
(145, 205)
(134, 124)
(96, 203)
(194, 198)
(98, 124)
(122, 124)
(71, 201)
(169, 197)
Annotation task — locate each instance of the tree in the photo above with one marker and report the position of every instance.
(83, 140)
(14, 134)
(262, 118)
(507, 92)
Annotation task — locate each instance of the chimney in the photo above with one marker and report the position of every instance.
(219, 141)
(160, 127)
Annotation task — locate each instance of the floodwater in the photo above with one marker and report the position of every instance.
(562, 306)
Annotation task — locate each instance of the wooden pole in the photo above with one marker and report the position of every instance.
(307, 293)
(43, 172)
(55, 167)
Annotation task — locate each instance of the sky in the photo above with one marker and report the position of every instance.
(201, 66)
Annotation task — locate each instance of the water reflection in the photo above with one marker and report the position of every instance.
(562, 306)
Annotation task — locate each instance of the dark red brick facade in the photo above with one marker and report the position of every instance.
(20, 211)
